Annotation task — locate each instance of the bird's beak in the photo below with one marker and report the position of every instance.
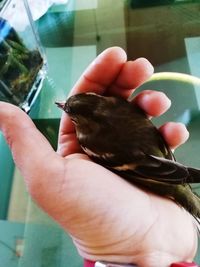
(61, 105)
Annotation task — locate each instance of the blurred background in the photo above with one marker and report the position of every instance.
(72, 34)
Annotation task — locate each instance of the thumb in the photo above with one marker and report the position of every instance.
(29, 147)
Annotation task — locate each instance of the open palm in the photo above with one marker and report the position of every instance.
(108, 218)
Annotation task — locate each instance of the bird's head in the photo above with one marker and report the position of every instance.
(82, 106)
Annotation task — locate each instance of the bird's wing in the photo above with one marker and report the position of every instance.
(165, 170)
(161, 169)
(146, 166)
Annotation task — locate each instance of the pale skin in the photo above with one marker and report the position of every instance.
(107, 218)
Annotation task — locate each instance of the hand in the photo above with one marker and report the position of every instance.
(107, 218)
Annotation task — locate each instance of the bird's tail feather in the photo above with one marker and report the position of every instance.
(194, 175)
(188, 199)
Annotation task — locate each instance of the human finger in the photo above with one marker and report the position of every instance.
(31, 151)
(154, 103)
(133, 74)
(101, 72)
(174, 133)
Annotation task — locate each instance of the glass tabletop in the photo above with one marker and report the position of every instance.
(167, 33)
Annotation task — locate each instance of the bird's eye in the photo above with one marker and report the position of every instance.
(68, 108)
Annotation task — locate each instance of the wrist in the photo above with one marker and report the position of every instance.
(88, 263)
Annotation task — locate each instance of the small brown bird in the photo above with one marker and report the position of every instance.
(118, 135)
